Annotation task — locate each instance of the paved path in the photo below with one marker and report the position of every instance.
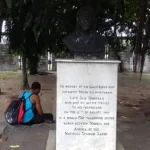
(133, 136)
(37, 137)
(27, 137)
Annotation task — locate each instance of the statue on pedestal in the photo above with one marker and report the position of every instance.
(85, 41)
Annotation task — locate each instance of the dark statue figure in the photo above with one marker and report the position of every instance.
(85, 40)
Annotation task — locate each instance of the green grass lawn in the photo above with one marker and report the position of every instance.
(135, 75)
(8, 74)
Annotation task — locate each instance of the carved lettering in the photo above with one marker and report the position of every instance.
(86, 107)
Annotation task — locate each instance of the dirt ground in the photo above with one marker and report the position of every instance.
(10, 87)
(133, 104)
(133, 95)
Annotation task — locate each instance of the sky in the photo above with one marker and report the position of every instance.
(3, 30)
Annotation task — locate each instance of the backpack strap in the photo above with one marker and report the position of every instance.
(24, 99)
(22, 95)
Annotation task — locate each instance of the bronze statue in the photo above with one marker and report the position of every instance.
(85, 40)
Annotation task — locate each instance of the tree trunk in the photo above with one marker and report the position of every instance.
(145, 43)
(139, 37)
(33, 70)
(135, 62)
(121, 64)
(25, 84)
(33, 64)
(142, 63)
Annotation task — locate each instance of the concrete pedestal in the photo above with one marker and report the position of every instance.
(51, 142)
(86, 104)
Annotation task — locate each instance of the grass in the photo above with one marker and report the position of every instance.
(8, 74)
(146, 76)
(136, 75)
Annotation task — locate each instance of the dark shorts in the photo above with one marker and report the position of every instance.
(37, 119)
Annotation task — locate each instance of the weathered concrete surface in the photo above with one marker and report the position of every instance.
(3, 126)
(26, 137)
(135, 135)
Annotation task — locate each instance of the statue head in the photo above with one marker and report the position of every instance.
(85, 18)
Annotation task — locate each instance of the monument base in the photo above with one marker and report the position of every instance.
(51, 142)
(86, 104)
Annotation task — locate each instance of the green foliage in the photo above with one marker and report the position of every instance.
(35, 26)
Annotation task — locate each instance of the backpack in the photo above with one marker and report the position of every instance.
(15, 111)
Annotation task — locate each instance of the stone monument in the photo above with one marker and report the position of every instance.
(86, 91)
(86, 104)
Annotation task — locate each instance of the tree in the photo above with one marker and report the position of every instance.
(5, 5)
(22, 37)
(17, 37)
(34, 26)
(139, 38)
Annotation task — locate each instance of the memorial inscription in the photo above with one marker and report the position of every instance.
(87, 109)
(86, 105)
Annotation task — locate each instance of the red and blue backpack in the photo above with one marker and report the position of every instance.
(14, 113)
